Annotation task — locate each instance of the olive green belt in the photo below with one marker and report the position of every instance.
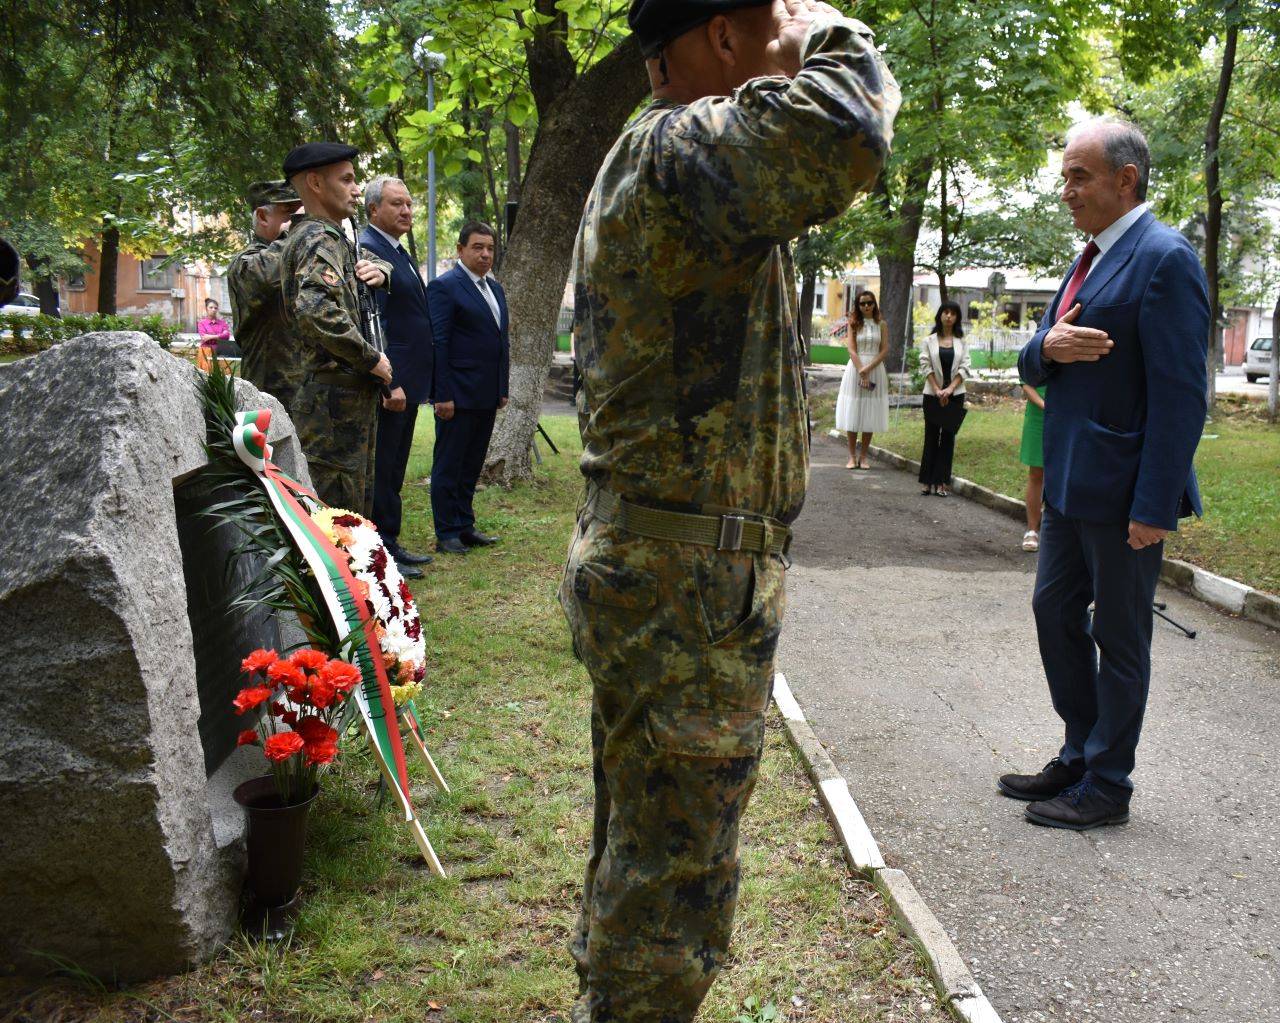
(337, 378)
(723, 532)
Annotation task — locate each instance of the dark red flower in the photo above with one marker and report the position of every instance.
(259, 660)
(313, 729)
(289, 717)
(413, 628)
(276, 708)
(283, 746)
(350, 521)
(249, 737)
(405, 595)
(251, 697)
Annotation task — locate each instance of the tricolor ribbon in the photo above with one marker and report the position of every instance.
(350, 613)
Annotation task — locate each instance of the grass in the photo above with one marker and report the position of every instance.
(382, 940)
(1237, 464)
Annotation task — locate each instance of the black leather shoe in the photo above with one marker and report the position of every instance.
(1079, 808)
(408, 571)
(452, 546)
(408, 557)
(1055, 777)
(475, 538)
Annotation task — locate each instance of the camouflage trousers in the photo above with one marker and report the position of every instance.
(679, 640)
(337, 427)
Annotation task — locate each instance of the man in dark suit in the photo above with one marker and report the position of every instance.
(406, 323)
(1123, 350)
(472, 352)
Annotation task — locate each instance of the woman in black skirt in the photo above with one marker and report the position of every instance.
(944, 361)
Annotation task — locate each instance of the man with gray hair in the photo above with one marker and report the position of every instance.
(407, 326)
(1123, 351)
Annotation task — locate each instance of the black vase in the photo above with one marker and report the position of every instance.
(275, 839)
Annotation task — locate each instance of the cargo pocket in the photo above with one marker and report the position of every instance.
(620, 586)
(726, 586)
(696, 732)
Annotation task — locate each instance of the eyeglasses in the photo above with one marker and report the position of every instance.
(863, 302)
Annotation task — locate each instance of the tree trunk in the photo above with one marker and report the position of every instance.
(46, 288)
(944, 231)
(575, 132)
(1274, 382)
(897, 257)
(108, 264)
(808, 290)
(1213, 220)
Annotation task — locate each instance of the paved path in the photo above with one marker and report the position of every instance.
(909, 643)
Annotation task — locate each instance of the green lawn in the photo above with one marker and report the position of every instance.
(1237, 463)
(381, 940)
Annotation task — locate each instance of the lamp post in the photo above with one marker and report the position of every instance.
(430, 61)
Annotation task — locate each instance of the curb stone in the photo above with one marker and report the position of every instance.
(1228, 595)
(951, 977)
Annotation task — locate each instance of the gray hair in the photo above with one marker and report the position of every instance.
(373, 190)
(1122, 143)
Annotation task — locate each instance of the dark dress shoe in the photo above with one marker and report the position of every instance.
(1079, 808)
(475, 538)
(1055, 777)
(452, 546)
(408, 571)
(408, 557)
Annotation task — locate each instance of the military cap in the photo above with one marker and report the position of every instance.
(317, 154)
(656, 22)
(264, 193)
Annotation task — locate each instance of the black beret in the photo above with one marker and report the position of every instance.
(317, 154)
(264, 193)
(656, 22)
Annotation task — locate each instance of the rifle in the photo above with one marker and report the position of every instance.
(370, 321)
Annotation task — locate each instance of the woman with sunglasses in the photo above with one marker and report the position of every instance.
(863, 403)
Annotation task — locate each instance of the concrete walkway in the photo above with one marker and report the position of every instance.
(910, 645)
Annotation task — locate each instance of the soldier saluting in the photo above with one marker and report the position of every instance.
(767, 118)
(337, 404)
(272, 359)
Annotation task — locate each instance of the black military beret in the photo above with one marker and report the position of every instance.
(317, 154)
(264, 193)
(656, 22)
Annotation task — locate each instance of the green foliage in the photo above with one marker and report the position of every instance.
(26, 335)
(754, 1012)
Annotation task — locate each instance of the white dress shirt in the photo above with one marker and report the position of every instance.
(486, 292)
(1114, 231)
(392, 240)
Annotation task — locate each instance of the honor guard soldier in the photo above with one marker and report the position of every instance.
(767, 118)
(336, 410)
(271, 356)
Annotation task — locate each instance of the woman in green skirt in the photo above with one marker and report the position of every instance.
(1032, 456)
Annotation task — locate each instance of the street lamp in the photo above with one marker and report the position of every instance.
(430, 61)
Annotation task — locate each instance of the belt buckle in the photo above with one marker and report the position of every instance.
(730, 532)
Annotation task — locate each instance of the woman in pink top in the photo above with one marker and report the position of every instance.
(212, 328)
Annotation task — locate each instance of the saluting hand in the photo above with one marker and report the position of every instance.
(1066, 342)
(370, 274)
(791, 21)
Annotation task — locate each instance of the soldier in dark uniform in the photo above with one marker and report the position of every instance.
(271, 356)
(767, 118)
(336, 409)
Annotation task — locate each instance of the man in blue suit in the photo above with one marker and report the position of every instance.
(1123, 352)
(406, 323)
(472, 353)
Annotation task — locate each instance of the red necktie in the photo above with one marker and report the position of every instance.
(1077, 278)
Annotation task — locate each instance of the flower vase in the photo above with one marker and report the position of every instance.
(275, 838)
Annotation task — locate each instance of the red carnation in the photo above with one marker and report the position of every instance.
(342, 676)
(321, 753)
(249, 737)
(289, 717)
(313, 730)
(350, 521)
(405, 595)
(283, 746)
(321, 693)
(282, 673)
(276, 708)
(259, 660)
(251, 697)
(308, 659)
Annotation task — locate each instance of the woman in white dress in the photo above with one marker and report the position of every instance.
(863, 404)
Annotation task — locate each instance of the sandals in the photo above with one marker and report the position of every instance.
(1030, 540)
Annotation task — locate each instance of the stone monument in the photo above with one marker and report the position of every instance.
(122, 849)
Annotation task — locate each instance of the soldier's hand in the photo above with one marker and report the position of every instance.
(395, 401)
(383, 369)
(444, 410)
(370, 274)
(791, 22)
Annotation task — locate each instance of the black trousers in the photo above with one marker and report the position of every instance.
(395, 439)
(461, 444)
(939, 446)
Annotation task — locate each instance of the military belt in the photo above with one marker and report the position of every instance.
(336, 377)
(723, 532)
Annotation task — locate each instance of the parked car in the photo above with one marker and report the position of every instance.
(23, 304)
(1259, 359)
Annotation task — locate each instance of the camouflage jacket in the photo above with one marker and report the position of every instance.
(684, 319)
(271, 356)
(321, 306)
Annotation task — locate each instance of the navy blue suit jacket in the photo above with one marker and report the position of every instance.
(473, 352)
(406, 320)
(1120, 433)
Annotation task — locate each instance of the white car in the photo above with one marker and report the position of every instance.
(23, 304)
(1259, 359)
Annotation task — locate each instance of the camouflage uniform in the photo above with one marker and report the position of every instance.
(693, 401)
(336, 408)
(272, 356)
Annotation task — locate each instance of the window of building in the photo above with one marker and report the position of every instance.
(156, 277)
(819, 299)
(974, 313)
(1035, 313)
(75, 282)
(1011, 314)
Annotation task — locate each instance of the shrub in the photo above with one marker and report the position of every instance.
(913, 368)
(26, 335)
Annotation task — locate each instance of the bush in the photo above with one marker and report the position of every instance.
(26, 335)
(913, 369)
